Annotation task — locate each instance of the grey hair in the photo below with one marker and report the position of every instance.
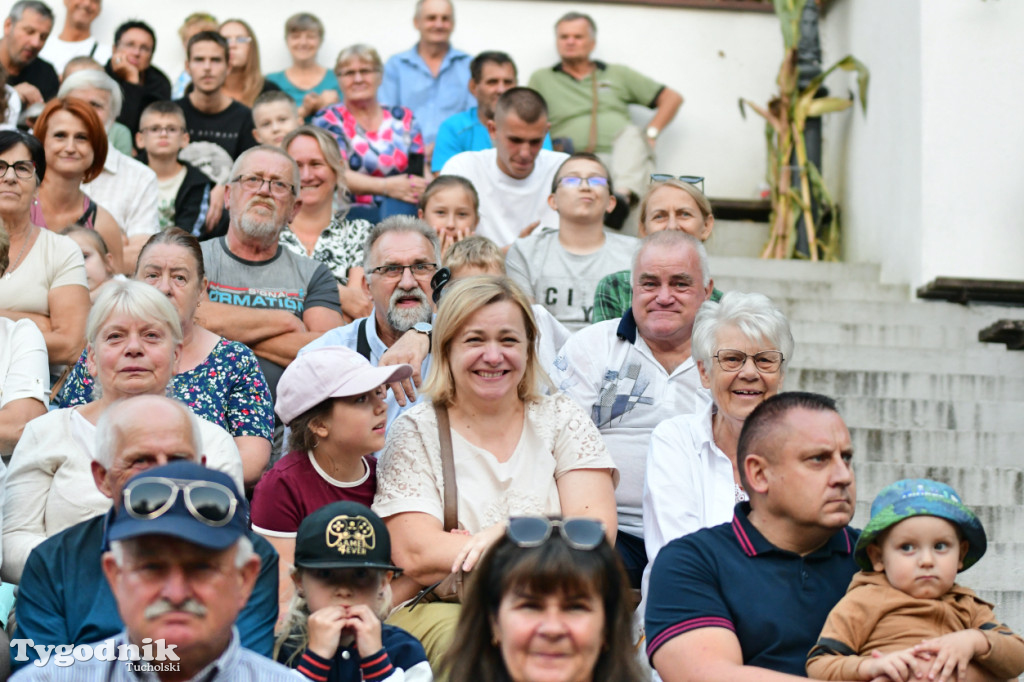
(135, 299)
(107, 441)
(358, 51)
(18, 9)
(399, 223)
(90, 78)
(244, 551)
(236, 167)
(755, 315)
(304, 21)
(672, 238)
(573, 16)
(419, 8)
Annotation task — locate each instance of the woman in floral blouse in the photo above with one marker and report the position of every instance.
(219, 380)
(382, 145)
(318, 231)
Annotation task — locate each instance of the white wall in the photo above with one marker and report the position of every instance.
(711, 57)
(932, 177)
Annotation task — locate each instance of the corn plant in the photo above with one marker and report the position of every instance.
(796, 183)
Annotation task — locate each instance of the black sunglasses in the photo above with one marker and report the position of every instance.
(534, 531)
(438, 282)
(152, 497)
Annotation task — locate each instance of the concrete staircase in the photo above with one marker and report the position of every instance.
(922, 397)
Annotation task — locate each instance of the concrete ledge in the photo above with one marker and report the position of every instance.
(957, 290)
(1010, 332)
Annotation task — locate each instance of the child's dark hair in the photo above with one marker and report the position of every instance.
(446, 181)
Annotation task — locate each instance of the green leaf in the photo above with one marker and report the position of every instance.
(847, 63)
(828, 105)
(788, 12)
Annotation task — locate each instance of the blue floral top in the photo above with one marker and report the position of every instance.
(227, 388)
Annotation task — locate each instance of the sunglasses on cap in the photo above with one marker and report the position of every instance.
(208, 502)
(689, 179)
(534, 531)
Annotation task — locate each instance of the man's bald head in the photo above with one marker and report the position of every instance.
(138, 433)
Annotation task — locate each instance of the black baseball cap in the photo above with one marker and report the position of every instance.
(343, 535)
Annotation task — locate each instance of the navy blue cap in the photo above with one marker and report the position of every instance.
(178, 521)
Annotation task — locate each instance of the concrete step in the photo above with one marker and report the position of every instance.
(983, 359)
(1002, 568)
(792, 270)
(831, 291)
(937, 448)
(890, 312)
(889, 335)
(990, 486)
(953, 415)
(934, 384)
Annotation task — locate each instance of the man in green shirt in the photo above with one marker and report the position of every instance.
(570, 90)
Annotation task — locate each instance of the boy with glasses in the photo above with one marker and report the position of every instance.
(184, 190)
(561, 267)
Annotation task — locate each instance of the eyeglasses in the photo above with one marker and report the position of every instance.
(165, 130)
(574, 181)
(254, 183)
(143, 49)
(150, 498)
(534, 531)
(418, 270)
(438, 283)
(352, 73)
(690, 179)
(239, 40)
(22, 169)
(766, 362)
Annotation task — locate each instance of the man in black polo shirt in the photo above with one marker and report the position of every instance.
(746, 600)
(210, 115)
(26, 29)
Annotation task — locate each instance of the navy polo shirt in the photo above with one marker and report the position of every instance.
(730, 576)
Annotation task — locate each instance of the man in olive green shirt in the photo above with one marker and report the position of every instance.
(568, 88)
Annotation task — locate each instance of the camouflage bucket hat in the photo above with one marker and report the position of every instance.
(921, 497)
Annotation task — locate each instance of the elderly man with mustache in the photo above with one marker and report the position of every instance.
(63, 596)
(259, 293)
(400, 258)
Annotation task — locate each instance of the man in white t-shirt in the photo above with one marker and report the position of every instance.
(561, 267)
(513, 179)
(633, 373)
(76, 39)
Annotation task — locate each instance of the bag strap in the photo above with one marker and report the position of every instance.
(592, 139)
(451, 497)
(363, 343)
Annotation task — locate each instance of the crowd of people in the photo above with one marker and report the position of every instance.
(360, 373)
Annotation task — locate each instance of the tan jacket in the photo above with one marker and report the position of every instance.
(876, 616)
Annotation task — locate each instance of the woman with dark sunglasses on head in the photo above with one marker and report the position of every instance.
(549, 601)
(513, 451)
(133, 342)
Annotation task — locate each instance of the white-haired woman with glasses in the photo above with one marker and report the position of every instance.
(134, 341)
(741, 345)
(514, 451)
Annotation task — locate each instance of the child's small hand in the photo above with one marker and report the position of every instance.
(952, 653)
(897, 666)
(362, 622)
(325, 628)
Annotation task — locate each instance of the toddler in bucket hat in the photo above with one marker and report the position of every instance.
(903, 615)
(333, 629)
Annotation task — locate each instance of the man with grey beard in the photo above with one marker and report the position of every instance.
(260, 294)
(400, 257)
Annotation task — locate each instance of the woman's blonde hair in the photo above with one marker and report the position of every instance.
(461, 300)
(702, 201)
(139, 301)
(295, 627)
(252, 73)
(358, 51)
(329, 148)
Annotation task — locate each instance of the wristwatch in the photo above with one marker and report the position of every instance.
(652, 133)
(424, 328)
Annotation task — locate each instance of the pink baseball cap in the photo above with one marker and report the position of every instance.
(330, 372)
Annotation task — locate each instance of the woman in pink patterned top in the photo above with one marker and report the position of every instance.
(382, 145)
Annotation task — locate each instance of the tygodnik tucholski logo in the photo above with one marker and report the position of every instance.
(153, 656)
